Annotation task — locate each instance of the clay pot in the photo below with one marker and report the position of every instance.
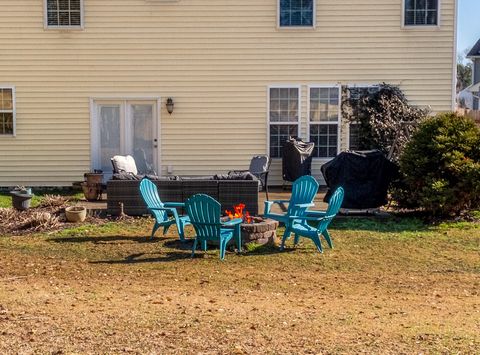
(75, 214)
(92, 192)
(93, 178)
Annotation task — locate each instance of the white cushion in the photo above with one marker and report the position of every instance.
(125, 163)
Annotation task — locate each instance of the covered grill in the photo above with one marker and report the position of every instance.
(364, 175)
(296, 159)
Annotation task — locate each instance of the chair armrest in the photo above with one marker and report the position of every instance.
(316, 213)
(268, 205)
(306, 218)
(278, 201)
(174, 204)
(233, 222)
(161, 208)
(304, 205)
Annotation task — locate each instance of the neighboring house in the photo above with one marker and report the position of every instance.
(474, 56)
(83, 80)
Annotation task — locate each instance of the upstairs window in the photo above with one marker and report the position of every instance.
(284, 116)
(64, 13)
(421, 13)
(7, 112)
(296, 13)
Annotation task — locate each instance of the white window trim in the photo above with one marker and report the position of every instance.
(299, 114)
(298, 28)
(14, 111)
(64, 28)
(339, 118)
(422, 27)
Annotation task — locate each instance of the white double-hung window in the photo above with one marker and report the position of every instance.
(64, 14)
(324, 120)
(7, 111)
(284, 116)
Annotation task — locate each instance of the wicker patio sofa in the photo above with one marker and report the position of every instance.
(227, 192)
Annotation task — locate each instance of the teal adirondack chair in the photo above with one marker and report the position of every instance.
(321, 219)
(204, 213)
(304, 190)
(160, 210)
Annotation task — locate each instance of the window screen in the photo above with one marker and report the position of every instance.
(421, 12)
(297, 13)
(64, 13)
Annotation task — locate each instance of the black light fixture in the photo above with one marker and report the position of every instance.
(170, 105)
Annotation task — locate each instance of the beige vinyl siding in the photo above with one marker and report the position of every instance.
(215, 58)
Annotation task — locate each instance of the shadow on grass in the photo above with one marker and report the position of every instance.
(139, 258)
(109, 239)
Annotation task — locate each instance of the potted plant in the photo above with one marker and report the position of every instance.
(21, 198)
(76, 214)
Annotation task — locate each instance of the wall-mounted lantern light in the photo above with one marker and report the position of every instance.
(170, 105)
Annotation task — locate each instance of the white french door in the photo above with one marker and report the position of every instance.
(125, 127)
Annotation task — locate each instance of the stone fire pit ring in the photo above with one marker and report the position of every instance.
(262, 231)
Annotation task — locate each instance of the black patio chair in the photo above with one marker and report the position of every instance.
(259, 167)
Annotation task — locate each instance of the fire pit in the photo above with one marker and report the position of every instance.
(260, 231)
(254, 229)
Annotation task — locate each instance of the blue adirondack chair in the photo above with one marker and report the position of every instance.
(320, 219)
(304, 190)
(204, 213)
(160, 210)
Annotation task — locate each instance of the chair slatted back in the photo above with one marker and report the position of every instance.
(149, 193)
(304, 190)
(204, 213)
(334, 205)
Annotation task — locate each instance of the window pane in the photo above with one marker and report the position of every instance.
(6, 123)
(75, 18)
(421, 12)
(142, 117)
(432, 17)
(296, 13)
(52, 5)
(284, 105)
(354, 136)
(64, 18)
(6, 99)
(53, 18)
(63, 13)
(325, 137)
(109, 134)
(279, 134)
(324, 104)
(75, 5)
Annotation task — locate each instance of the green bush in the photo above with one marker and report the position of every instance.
(441, 166)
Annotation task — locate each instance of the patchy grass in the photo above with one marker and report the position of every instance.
(6, 199)
(389, 286)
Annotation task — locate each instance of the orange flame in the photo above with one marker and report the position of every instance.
(238, 213)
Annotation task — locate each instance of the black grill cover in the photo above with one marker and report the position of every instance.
(296, 159)
(364, 175)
